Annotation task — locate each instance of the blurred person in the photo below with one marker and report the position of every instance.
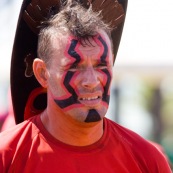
(74, 70)
(3, 116)
(162, 150)
(9, 120)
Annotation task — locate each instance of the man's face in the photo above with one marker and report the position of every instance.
(80, 75)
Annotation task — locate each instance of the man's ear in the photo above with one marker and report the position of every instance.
(40, 72)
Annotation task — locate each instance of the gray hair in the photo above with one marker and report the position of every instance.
(73, 18)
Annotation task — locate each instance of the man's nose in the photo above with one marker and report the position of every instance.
(90, 78)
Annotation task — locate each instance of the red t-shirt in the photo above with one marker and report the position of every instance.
(29, 148)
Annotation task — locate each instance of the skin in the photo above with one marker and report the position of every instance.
(78, 88)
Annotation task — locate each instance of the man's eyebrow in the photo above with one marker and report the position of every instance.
(99, 61)
(75, 63)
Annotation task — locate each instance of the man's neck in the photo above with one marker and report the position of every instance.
(71, 132)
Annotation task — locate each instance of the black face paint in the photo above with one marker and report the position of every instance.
(105, 97)
(93, 116)
(73, 53)
(73, 99)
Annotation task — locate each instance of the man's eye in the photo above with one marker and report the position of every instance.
(74, 67)
(101, 66)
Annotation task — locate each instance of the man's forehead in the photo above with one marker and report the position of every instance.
(65, 41)
(88, 39)
(65, 37)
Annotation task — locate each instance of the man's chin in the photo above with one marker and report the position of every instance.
(89, 115)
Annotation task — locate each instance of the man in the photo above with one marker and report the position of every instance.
(74, 66)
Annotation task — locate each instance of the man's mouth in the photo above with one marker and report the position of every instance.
(89, 98)
(91, 101)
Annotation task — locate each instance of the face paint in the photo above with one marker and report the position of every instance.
(72, 103)
(73, 98)
(106, 96)
(92, 116)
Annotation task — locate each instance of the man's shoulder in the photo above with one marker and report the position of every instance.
(128, 136)
(140, 148)
(17, 133)
(123, 132)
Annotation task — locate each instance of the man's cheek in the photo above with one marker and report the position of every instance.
(106, 81)
(61, 89)
(64, 93)
(74, 80)
(105, 77)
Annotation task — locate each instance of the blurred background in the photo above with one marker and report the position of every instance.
(142, 90)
